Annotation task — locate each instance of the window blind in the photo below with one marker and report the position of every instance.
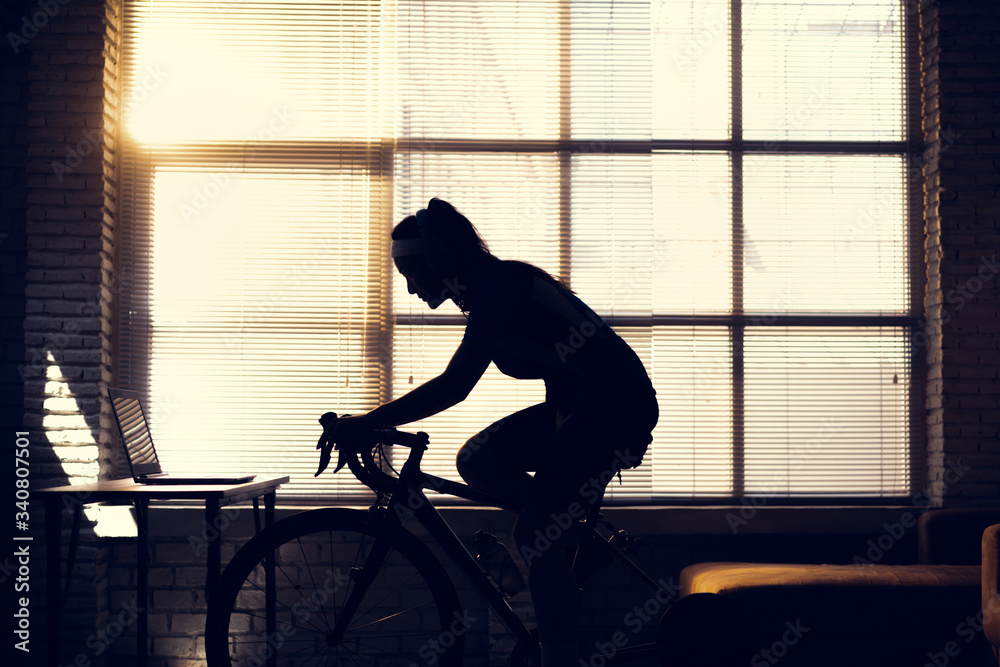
(258, 224)
(724, 182)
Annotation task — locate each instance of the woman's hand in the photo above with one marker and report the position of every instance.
(337, 430)
(353, 428)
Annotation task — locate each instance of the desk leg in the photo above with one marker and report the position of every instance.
(53, 533)
(269, 509)
(142, 579)
(270, 586)
(214, 548)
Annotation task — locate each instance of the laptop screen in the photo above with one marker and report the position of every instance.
(135, 432)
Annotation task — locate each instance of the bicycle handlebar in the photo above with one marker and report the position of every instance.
(355, 451)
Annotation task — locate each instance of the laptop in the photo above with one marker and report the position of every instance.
(139, 449)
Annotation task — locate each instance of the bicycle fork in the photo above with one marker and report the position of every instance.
(363, 577)
(390, 521)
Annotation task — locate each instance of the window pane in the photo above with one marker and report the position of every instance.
(692, 446)
(652, 233)
(692, 69)
(822, 70)
(693, 218)
(612, 230)
(254, 73)
(826, 411)
(479, 69)
(259, 313)
(611, 71)
(512, 199)
(824, 234)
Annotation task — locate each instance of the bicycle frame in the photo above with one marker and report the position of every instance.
(409, 498)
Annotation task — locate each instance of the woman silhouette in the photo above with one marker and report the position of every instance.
(599, 407)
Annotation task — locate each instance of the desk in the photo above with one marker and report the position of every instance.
(214, 495)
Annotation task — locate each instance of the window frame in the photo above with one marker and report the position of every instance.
(138, 169)
(738, 149)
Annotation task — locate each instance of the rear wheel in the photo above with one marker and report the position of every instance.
(409, 615)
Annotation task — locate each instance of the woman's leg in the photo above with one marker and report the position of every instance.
(498, 458)
(587, 450)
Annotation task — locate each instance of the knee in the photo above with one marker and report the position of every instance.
(472, 463)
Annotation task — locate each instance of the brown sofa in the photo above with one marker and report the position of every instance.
(991, 590)
(925, 615)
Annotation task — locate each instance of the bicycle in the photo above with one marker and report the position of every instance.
(338, 586)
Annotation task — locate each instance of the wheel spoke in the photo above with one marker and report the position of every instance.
(291, 611)
(385, 597)
(390, 616)
(408, 603)
(305, 560)
(313, 629)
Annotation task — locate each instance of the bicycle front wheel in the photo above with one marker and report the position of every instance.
(409, 615)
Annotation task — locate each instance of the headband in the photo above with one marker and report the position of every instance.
(406, 247)
(438, 256)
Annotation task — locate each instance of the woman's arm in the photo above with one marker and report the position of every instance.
(467, 365)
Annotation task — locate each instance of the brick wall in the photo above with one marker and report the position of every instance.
(960, 42)
(70, 194)
(13, 207)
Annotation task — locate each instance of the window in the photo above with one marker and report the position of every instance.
(727, 185)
